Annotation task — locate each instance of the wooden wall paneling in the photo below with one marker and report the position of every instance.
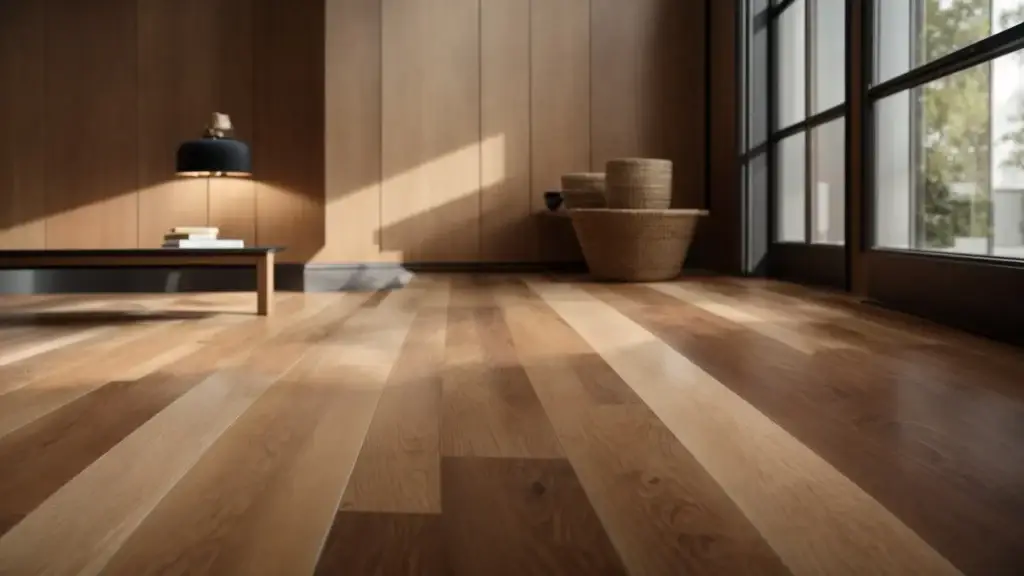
(288, 125)
(620, 32)
(233, 200)
(560, 79)
(194, 59)
(352, 145)
(22, 121)
(430, 203)
(91, 123)
(508, 231)
(647, 96)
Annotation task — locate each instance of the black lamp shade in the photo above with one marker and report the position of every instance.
(214, 157)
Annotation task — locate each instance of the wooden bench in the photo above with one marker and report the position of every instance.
(262, 258)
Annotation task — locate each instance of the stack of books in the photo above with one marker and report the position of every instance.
(198, 237)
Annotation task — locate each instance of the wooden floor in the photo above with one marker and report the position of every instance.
(494, 425)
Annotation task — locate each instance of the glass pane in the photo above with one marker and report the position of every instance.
(829, 54)
(910, 33)
(950, 163)
(828, 183)
(758, 86)
(790, 39)
(790, 189)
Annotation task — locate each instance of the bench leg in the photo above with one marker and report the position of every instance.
(265, 285)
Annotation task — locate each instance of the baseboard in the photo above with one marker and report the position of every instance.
(293, 277)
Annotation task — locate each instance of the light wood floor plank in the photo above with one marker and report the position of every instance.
(265, 494)
(91, 516)
(399, 466)
(843, 530)
(158, 346)
(662, 510)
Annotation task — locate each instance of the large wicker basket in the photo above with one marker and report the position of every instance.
(639, 183)
(584, 190)
(635, 245)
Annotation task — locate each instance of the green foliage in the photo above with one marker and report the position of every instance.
(955, 124)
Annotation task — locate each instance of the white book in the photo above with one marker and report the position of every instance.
(223, 243)
(179, 236)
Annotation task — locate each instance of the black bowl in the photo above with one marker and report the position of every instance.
(553, 200)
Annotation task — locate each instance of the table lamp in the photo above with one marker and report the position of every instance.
(215, 154)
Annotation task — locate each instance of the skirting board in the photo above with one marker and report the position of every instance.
(287, 277)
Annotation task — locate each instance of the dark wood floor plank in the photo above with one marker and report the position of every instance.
(829, 402)
(521, 516)
(662, 510)
(380, 544)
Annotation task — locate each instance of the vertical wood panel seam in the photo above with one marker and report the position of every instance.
(590, 83)
(480, 252)
(380, 128)
(256, 12)
(138, 123)
(45, 139)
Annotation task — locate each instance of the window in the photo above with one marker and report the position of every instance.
(828, 183)
(757, 83)
(948, 158)
(794, 113)
(910, 33)
(791, 64)
(791, 192)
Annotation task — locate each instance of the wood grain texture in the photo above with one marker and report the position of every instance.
(560, 84)
(160, 453)
(92, 135)
(507, 232)
(179, 433)
(663, 512)
(521, 516)
(489, 408)
(760, 457)
(352, 137)
(271, 442)
(288, 125)
(380, 543)
(430, 205)
(830, 402)
(22, 124)
(399, 465)
(194, 59)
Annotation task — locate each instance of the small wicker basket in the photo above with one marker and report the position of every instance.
(576, 199)
(635, 245)
(584, 190)
(639, 183)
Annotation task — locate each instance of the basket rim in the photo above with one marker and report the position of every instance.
(639, 160)
(643, 211)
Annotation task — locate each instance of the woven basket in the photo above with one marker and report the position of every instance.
(584, 181)
(576, 199)
(639, 183)
(635, 245)
(584, 190)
